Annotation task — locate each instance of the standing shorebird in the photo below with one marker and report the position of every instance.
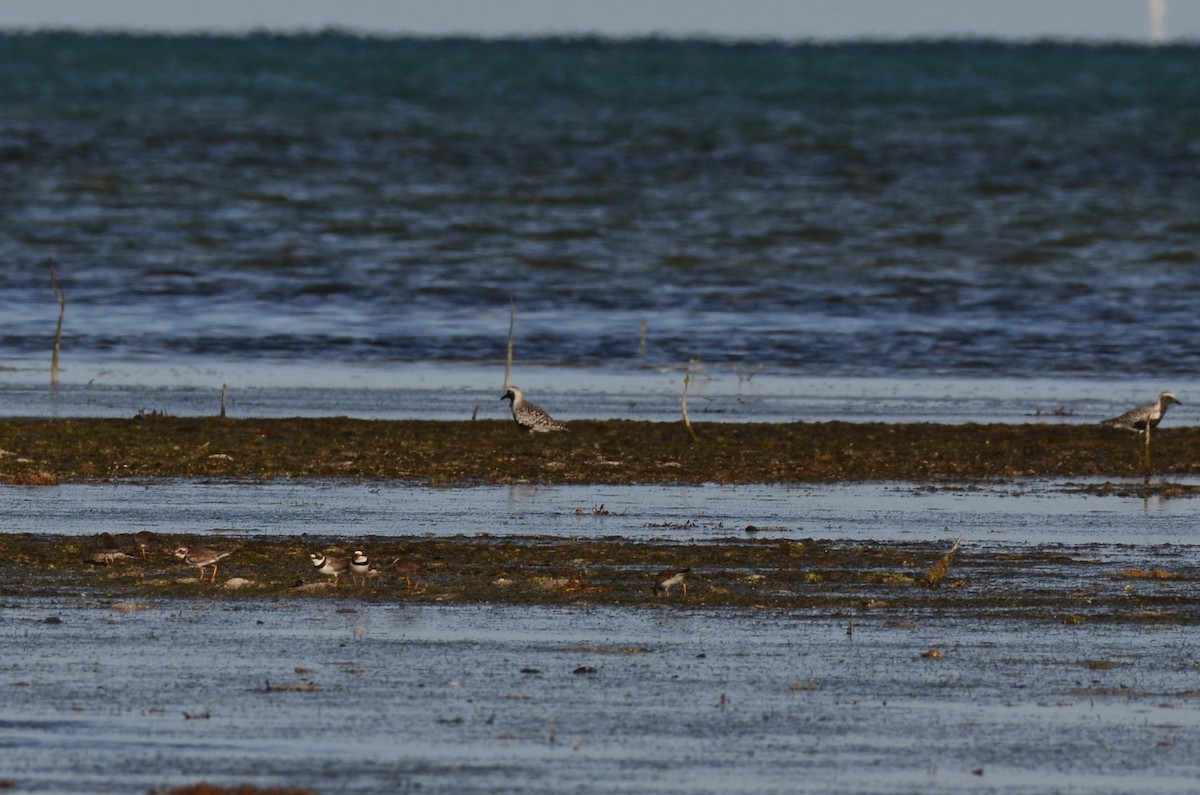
(530, 415)
(666, 580)
(332, 567)
(202, 558)
(1144, 418)
(360, 566)
(411, 569)
(146, 542)
(107, 550)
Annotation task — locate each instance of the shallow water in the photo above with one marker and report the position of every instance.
(477, 699)
(470, 698)
(280, 389)
(960, 208)
(1011, 513)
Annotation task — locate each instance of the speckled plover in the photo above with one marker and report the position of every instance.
(529, 415)
(666, 580)
(202, 558)
(1143, 417)
(332, 567)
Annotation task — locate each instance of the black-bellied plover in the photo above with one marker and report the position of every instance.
(202, 558)
(664, 581)
(1143, 417)
(529, 415)
(360, 566)
(332, 567)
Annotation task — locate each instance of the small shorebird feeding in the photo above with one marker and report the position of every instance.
(1145, 417)
(666, 580)
(328, 566)
(529, 415)
(202, 558)
(146, 541)
(360, 565)
(410, 569)
(107, 550)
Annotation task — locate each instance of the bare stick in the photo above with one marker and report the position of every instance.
(938, 571)
(61, 297)
(683, 405)
(512, 322)
(224, 387)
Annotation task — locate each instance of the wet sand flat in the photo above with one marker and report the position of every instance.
(352, 696)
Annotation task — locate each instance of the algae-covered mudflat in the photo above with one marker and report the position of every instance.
(613, 451)
(524, 648)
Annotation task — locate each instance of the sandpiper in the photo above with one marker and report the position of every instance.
(668, 579)
(146, 542)
(332, 567)
(107, 550)
(529, 415)
(410, 569)
(202, 558)
(1143, 417)
(360, 565)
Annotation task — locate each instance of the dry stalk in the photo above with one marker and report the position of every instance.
(61, 297)
(687, 422)
(512, 322)
(939, 570)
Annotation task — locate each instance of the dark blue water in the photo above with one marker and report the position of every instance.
(955, 209)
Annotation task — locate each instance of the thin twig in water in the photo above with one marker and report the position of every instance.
(61, 297)
(512, 322)
(683, 405)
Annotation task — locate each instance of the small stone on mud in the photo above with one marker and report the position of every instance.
(932, 654)
(234, 583)
(52, 620)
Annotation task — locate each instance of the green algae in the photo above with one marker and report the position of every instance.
(608, 452)
(806, 576)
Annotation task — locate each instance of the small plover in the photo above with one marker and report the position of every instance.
(529, 415)
(202, 558)
(332, 567)
(664, 581)
(1143, 417)
(410, 569)
(360, 565)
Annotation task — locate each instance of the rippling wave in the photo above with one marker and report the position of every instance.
(865, 209)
